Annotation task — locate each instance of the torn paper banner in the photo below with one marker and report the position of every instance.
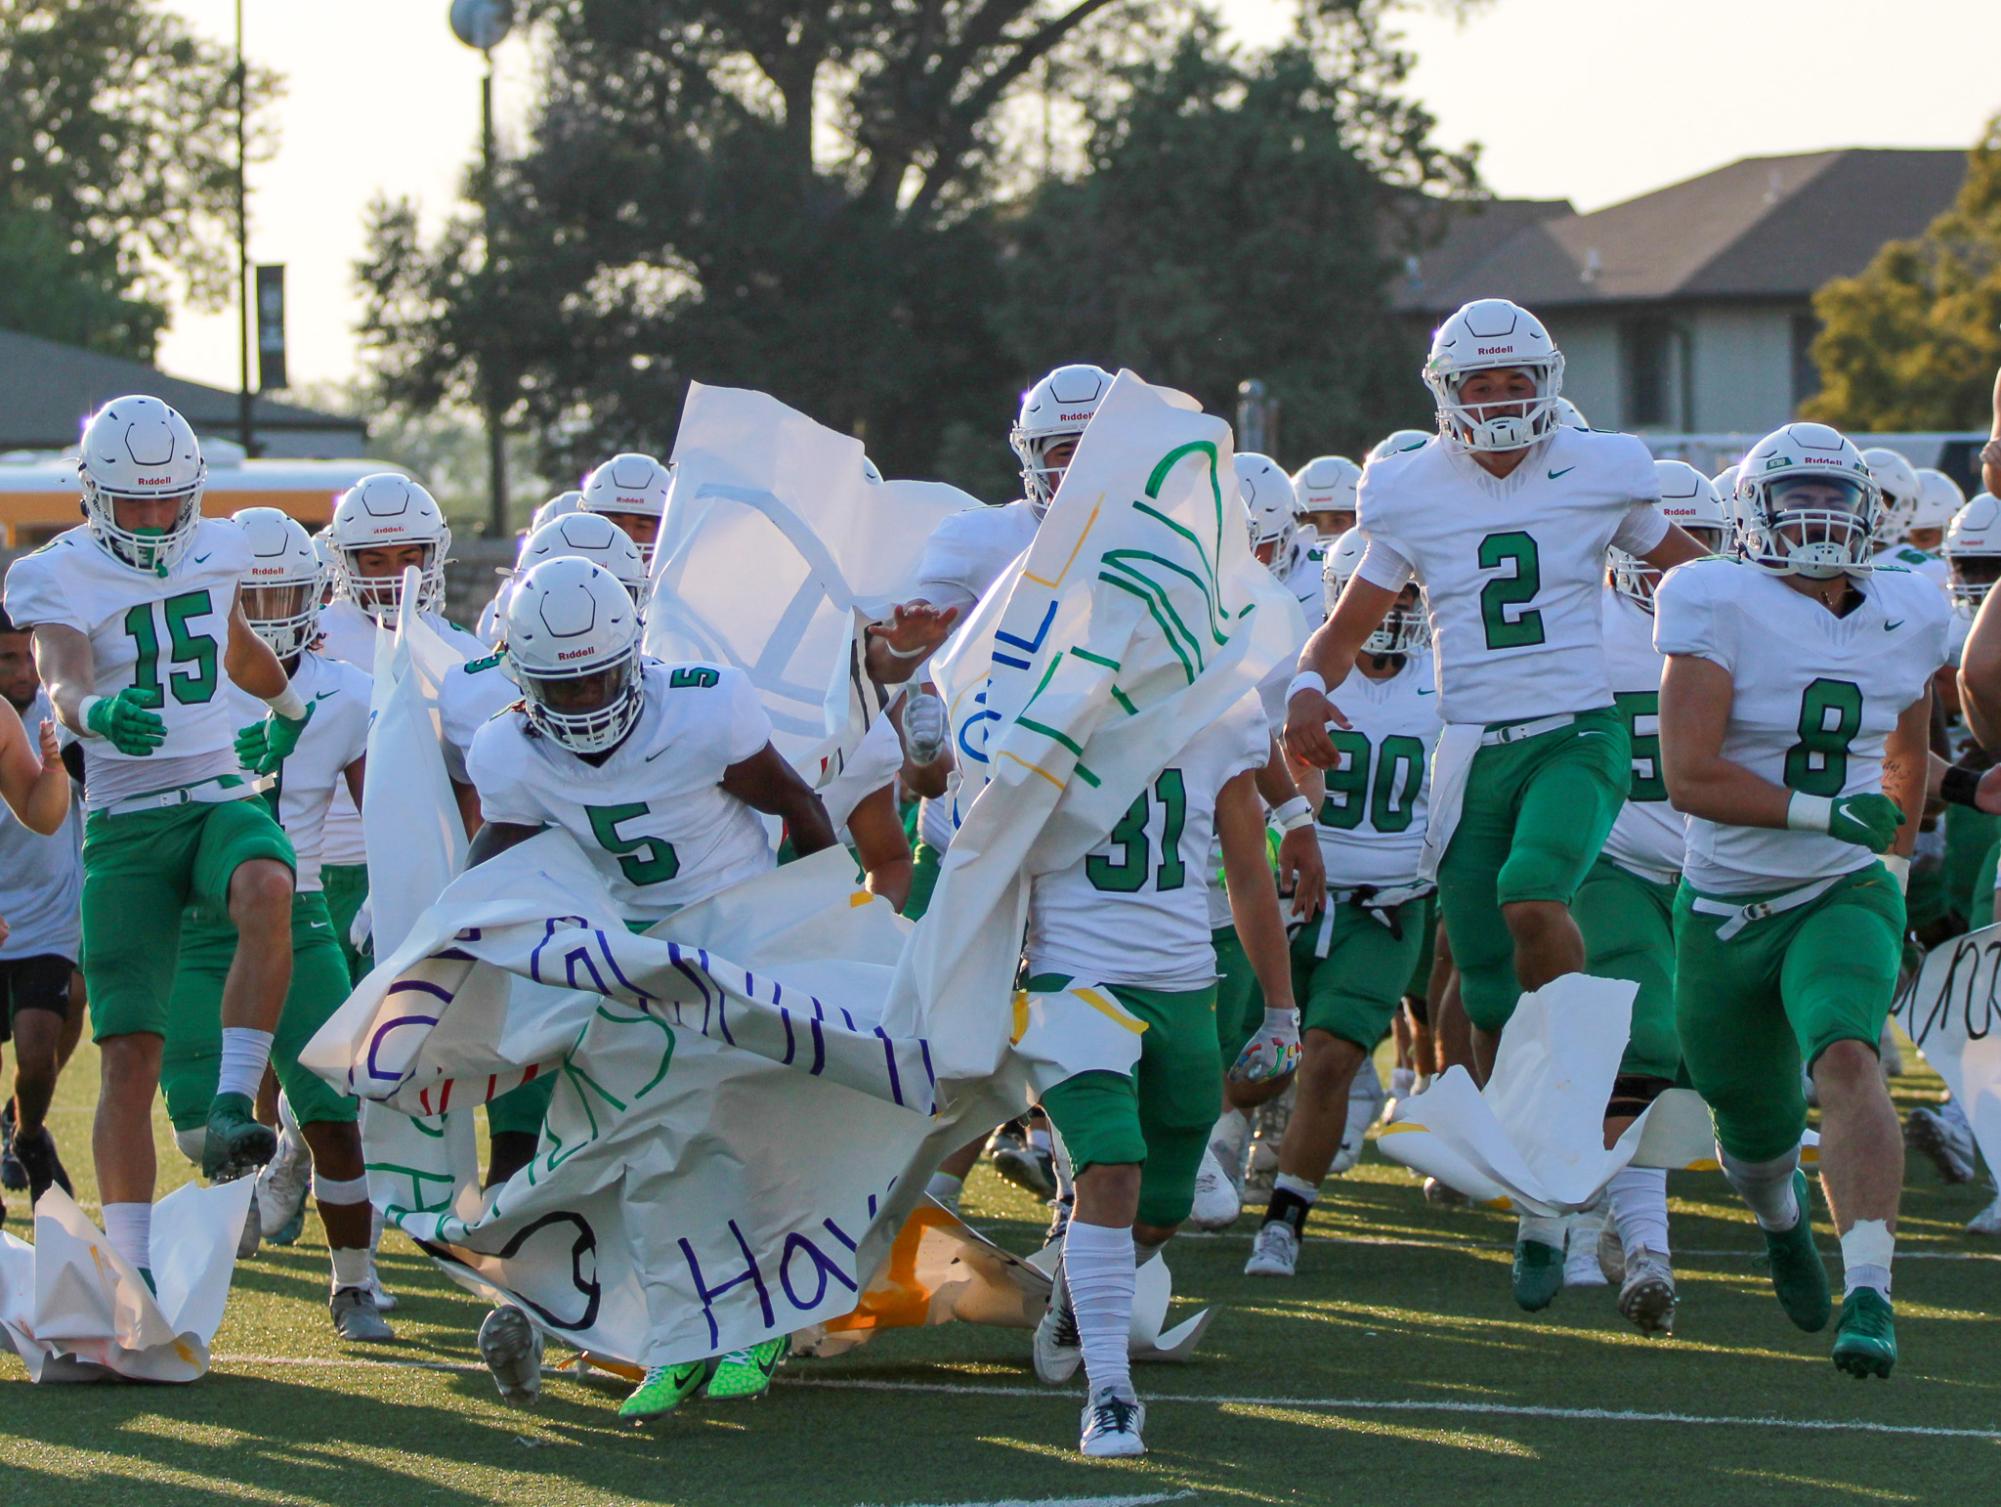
(74, 1310)
(1952, 1012)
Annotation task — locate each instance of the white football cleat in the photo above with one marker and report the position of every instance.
(1365, 1102)
(1113, 1419)
(1988, 1220)
(1217, 1202)
(282, 1188)
(1058, 1350)
(511, 1346)
(1945, 1139)
(1647, 1295)
(1276, 1252)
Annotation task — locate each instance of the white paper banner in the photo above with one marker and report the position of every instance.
(1952, 1011)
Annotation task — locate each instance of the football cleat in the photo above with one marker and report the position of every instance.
(236, 1144)
(282, 1187)
(1611, 1253)
(1113, 1419)
(1217, 1202)
(663, 1389)
(747, 1373)
(1028, 1166)
(13, 1175)
(1444, 1195)
(1537, 1274)
(355, 1316)
(511, 1346)
(252, 1235)
(1945, 1140)
(39, 1162)
(1275, 1252)
(1988, 1220)
(1865, 1342)
(384, 1299)
(1799, 1275)
(1058, 1348)
(1581, 1232)
(1647, 1297)
(1059, 1218)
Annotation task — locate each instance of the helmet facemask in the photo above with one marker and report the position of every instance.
(377, 595)
(1972, 577)
(1498, 423)
(1042, 473)
(1812, 524)
(284, 612)
(1635, 580)
(588, 709)
(153, 549)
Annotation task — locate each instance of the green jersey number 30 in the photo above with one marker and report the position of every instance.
(1830, 717)
(1511, 623)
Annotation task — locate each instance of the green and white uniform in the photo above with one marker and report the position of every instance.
(168, 827)
(1132, 916)
(1534, 763)
(1625, 908)
(1788, 941)
(1917, 561)
(1352, 964)
(336, 736)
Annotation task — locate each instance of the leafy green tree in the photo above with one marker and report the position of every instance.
(117, 183)
(1911, 342)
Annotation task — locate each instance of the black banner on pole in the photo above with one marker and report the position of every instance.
(271, 328)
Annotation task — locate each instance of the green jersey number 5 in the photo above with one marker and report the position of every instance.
(1511, 623)
(643, 860)
(1830, 717)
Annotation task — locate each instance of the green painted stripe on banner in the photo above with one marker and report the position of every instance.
(1187, 669)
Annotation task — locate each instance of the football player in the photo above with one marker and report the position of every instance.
(1349, 969)
(631, 490)
(1279, 541)
(1324, 489)
(137, 624)
(1939, 500)
(281, 602)
(659, 772)
(494, 614)
(1795, 723)
(1904, 510)
(1504, 518)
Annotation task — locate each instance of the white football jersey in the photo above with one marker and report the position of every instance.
(1650, 835)
(1371, 823)
(347, 633)
(470, 695)
(967, 552)
(1511, 566)
(167, 634)
(653, 816)
(1135, 909)
(334, 739)
(1303, 580)
(1918, 562)
(41, 878)
(1815, 697)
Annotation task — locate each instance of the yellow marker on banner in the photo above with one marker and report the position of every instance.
(1032, 768)
(1110, 1010)
(1089, 524)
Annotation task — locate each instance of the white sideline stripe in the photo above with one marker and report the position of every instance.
(1329, 1404)
(1145, 1501)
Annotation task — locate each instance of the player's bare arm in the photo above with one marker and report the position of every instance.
(67, 669)
(495, 838)
(1329, 653)
(248, 660)
(1695, 710)
(1302, 871)
(1677, 547)
(882, 846)
(911, 634)
(1240, 829)
(1980, 675)
(766, 782)
(1990, 454)
(32, 778)
(1907, 760)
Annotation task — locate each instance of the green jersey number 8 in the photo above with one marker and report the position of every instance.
(1511, 623)
(1830, 717)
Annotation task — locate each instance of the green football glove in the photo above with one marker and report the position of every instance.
(127, 721)
(1869, 821)
(263, 746)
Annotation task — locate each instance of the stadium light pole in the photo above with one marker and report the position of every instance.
(484, 24)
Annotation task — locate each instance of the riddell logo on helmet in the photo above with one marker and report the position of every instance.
(154, 481)
(1073, 418)
(1496, 350)
(563, 655)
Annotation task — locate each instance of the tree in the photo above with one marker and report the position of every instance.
(116, 169)
(1911, 342)
(1242, 217)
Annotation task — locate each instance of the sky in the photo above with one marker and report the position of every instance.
(1588, 100)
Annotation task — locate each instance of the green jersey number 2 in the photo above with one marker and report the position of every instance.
(643, 860)
(191, 687)
(1128, 872)
(1830, 717)
(1511, 623)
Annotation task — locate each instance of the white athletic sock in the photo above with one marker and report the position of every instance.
(1098, 1263)
(1298, 1187)
(1066, 1177)
(353, 1266)
(244, 1054)
(1540, 1227)
(190, 1144)
(1766, 1186)
(1866, 1251)
(129, 1228)
(1639, 1204)
(1038, 1137)
(944, 1187)
(1231, 1136)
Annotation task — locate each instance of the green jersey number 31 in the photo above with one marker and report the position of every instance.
(1128, 872)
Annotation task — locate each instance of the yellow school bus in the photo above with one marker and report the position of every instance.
(40, 495)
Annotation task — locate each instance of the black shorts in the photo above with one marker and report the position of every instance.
(40, 982)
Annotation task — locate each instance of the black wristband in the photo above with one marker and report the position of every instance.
(1958, 786)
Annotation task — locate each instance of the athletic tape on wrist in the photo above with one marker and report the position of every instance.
(1959, 786)
(287, 704)
(1290, 816)
(83, 715)
(1306, 680)
(331, 1190)
(1899, 867)
(1809, 813)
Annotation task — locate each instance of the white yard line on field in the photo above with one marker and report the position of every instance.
(1327, 1404)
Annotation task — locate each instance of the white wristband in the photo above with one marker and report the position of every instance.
(1306, 680)
(287, 704)
(1900, 869)
(1290, 816)
(1809, 813)
(83, 716)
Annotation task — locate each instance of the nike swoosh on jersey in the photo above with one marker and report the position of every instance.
(652, 756)
(317, 925)
(1893, 627)
(1564, 472)
(200, 558)
(325, 695)
(1432, 692)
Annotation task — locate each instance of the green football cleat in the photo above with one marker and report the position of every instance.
(747, 1373)
(1865, 1342)
(1538, 1274)
(664, 1389)
(1799, 1276)
(236, 1144)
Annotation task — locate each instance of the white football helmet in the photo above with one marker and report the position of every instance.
(1688, 498)
(323, 546)
(1570, 416)
(630, 485)
(1324, 488)
(593, 537)
(1404, 626)
(1056, 409)
(281, 590)
(1897, 479)
(1939, 500)
(387, 511)
(573, 648)
(1484, 335)
(1267, 494)
(1808, 503)
(562, 504)
(1399, 441)
(1973, 551)
(137, 449)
